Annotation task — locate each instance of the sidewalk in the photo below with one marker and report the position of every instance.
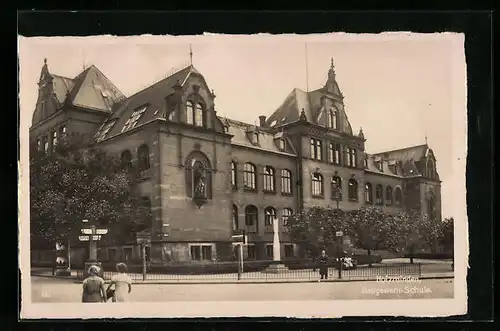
(247, 278)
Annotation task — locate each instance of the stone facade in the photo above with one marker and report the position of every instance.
(207, 176)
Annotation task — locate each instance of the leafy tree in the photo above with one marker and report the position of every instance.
(370, 228)
(76, 182)
(447, 234)
(316, 227)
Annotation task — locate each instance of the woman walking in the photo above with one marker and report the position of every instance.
(122, 284)
(93, 287)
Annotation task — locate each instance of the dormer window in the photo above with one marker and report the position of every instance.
(255, 138)
(103, 131)
(281, 144)
(195, 114)
(134, 118)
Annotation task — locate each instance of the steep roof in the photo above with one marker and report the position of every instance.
(267, 140)
(414, 153)
(408, 159)
(310, 103)
(91, 89)
(153, 97)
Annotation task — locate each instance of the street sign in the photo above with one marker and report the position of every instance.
(240, 238)
(101, 231)
(339, 233)
(86, 231)
(95, 237)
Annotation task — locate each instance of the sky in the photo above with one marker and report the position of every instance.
(400, 88)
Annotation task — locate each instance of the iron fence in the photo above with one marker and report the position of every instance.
(374, 272)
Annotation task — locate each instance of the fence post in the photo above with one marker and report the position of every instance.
(143, 261)
(420, 270)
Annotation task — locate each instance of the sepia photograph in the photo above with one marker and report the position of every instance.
(251, 175)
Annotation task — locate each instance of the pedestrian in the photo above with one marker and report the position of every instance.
(323, 265)
(93, 287)
(122, 284)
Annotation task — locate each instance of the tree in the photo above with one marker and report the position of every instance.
(447, 234)
(370, 228)
(316, 227)
(77, 182)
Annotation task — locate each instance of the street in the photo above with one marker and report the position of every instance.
(45, 290)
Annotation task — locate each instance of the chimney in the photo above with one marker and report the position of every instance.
(262, 121)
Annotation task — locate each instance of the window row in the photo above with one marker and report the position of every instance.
(43, 143)
(391, 196)
(252, 217)
(195, 114)
(289, 251)
(143, 162)
(269, 178)
(334, 152)
(318, 187)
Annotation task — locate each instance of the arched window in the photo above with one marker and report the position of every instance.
(317, 184)
(235, 217)
(398, 195)
(379, 195)
(287, 212)
(126, 159)
(54, 139)
(286, 181)
(189, 113)
(335, 125)
(198, 115)
(251, 218)
(143, 157)
(269, 179)
(336, 188)
(368, 193)
(330, 119)
(234, 183)
(353, 189)
(249, 176)
(431, 205)
(198, 176)
(269, 216)
(388, 195)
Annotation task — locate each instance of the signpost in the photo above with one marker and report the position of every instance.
(143, 239)
(92, 235)
(340, 235)
(239, 240)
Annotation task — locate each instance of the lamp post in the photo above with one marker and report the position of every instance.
(340, 236)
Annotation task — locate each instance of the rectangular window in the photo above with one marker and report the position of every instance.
(103, 131)
(134, 118)
(38, 145)
(269, 251)
(316, 146)
(127, 254)
(201, 252)
(251, 252)
(286, 181)
(45, 144)
(111, 254)
(334, 153)
(289, 251)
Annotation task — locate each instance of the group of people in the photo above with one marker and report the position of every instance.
(95, 289)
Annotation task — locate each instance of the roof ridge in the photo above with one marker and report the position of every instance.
(400, 149)
(157, 82)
